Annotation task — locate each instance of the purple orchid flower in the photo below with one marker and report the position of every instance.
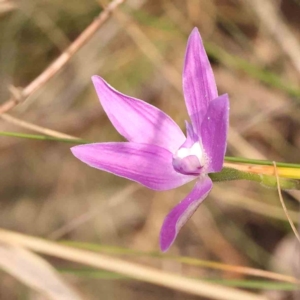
(157, 154)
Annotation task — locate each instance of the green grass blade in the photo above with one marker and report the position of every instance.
(260, 162)
(238, 175)
(41, 137)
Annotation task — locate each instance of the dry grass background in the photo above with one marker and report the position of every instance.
(46, 192)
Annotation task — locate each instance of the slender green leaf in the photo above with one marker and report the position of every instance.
(42, 137)
(225, 174)
(260, 162)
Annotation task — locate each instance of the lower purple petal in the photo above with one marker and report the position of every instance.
(189, 165)
(180, 214)
(214, 132)
(149, 165)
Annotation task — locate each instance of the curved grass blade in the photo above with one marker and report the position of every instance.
(41, 137)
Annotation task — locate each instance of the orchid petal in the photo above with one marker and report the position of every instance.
(149, 165)
(214, 132)
(199, 84)
(137, 120)
(183, 211)
(189, 165)
(191, 136)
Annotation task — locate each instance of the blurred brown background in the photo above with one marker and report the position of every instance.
(254, 47)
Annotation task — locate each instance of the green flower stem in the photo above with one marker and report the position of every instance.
(233, 174)
(266, 180)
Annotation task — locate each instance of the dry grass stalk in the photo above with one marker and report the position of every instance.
(35, 272)
(274, 23)
(283, 204)
(139, 272)
(63, 59)
(40, 129)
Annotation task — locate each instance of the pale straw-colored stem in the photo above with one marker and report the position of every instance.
(62, 60)
(133, 270)
(10, 119)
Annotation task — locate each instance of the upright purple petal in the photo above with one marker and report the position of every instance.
(199, 84)
(214, 132)
(149, 165)
(137, 120)
(183, 211)
(191, 136)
